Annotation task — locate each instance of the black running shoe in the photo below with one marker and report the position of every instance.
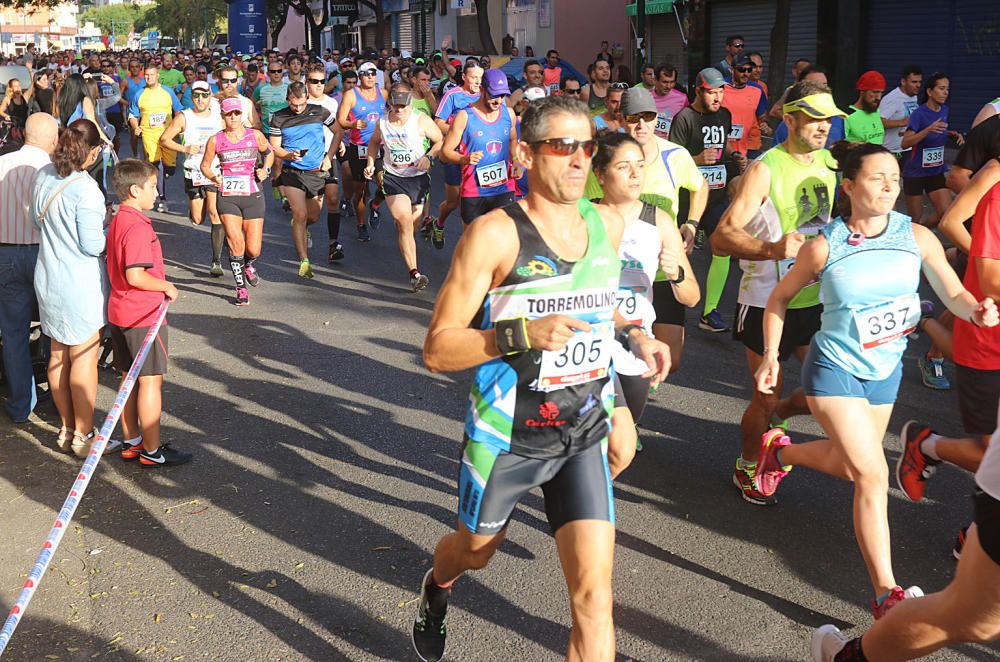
(163, 456)
(363, 233)
(428, 629)
(336, 252)
(374, 219)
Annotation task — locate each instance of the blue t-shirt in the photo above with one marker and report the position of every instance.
(454, 100)
(836, 132)
(302, 131)
(927, 156)
(762, 105)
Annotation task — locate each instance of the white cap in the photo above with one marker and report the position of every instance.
(367, 66)
(534, 93)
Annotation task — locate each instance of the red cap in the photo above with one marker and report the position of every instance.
(871, 80)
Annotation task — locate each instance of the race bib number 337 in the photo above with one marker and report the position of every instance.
(884, 322)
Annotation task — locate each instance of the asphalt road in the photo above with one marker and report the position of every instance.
(325, 467)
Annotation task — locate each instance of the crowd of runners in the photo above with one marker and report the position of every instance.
(581, 199)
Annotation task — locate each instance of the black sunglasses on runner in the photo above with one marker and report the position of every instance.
(564, 146)
(315, 81)
(572, 90)
(275, 71)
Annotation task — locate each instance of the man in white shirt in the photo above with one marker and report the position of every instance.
(19, 249)
(896, 108)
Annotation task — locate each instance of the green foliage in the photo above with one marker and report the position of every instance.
(188, 20)
(117, 19)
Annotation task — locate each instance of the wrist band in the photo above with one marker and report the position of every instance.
(623, 335)
(693, 224)
(512, 336)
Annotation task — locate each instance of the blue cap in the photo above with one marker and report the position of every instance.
(495, 83)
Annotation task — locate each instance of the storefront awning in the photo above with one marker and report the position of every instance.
(652, 7)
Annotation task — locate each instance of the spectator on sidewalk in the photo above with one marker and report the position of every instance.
(19, 240)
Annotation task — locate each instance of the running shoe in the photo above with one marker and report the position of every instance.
(779, 423)
(744, 482)
(428, 629)
(242, 296)
(699, 238)
(713, 322)
(913, 468)
(638, 440)
(363, 233)
(418, 281)
(425, 227)
(960, 543)
(131, 448)
(437, 235)
(250, 273)
(827, 641)
(305, 270)
(336, 252)
(161, 206)
(276, 193)
(285, 205)
(163, 456)
(932, 373)
(309, 239)
(216, 270)
(896, 595)
(373, 214)
(346, 208)
(770, 473)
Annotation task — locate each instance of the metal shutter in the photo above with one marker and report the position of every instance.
(962, 43)
(754, 19)
(405, 40)
(665, 44)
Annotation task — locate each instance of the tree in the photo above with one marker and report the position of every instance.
(376, 6)
(186, 20)
(779, 47)
(115, 19)
(483, 22)
(277, 16)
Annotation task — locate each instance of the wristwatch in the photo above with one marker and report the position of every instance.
(680, 276)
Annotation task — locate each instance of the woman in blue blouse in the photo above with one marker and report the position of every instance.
(70, 279)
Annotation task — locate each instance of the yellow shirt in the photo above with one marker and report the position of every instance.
(156, 107)
(674, 170)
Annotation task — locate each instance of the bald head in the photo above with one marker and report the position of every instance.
(42, 131)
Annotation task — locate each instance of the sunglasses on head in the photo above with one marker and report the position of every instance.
(649, 117)
(564, 146)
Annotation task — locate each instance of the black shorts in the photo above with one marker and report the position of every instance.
(116, 120)
(631, 391)
(358, 164)
(801, 324)
(313, 182)
(247, 207)
(920, 185)
(988, 524)
(978, 396)
(415, 188)
(668, 309)
(491, 482)
(473, 208)
(126, 343)
(198, 192)
(331, 176)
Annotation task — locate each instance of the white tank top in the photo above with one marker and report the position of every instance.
(404, 146)
(197, 131)
(640, 255)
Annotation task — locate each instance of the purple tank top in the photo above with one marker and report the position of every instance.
(238, 161)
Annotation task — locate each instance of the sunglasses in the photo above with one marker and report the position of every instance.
(564, 146)
(315, 81)
(367, 73)
(228, 80)
(572, 90)
(232, 112)
(275, 71)
(200, 95)
(739, 45)
(648, 117)
(744, 70)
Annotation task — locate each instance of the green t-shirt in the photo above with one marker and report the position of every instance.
(271, 98)
(171, 77)
(862, 126)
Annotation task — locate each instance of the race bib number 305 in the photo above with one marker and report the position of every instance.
(586, 357)
(884, 322)
(492, 175)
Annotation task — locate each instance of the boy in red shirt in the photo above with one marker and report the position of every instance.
(138, 285)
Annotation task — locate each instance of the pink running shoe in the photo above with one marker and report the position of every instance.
(769, 473)
(896, 595)
(242, 296)
(250, 272)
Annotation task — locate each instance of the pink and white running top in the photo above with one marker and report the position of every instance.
(238, 161)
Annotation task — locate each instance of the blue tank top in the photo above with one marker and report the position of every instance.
(369, 111)
(77, 113)
(491, 176)
(869, 295)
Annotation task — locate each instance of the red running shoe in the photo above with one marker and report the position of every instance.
(769, 472)
(913, 467)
